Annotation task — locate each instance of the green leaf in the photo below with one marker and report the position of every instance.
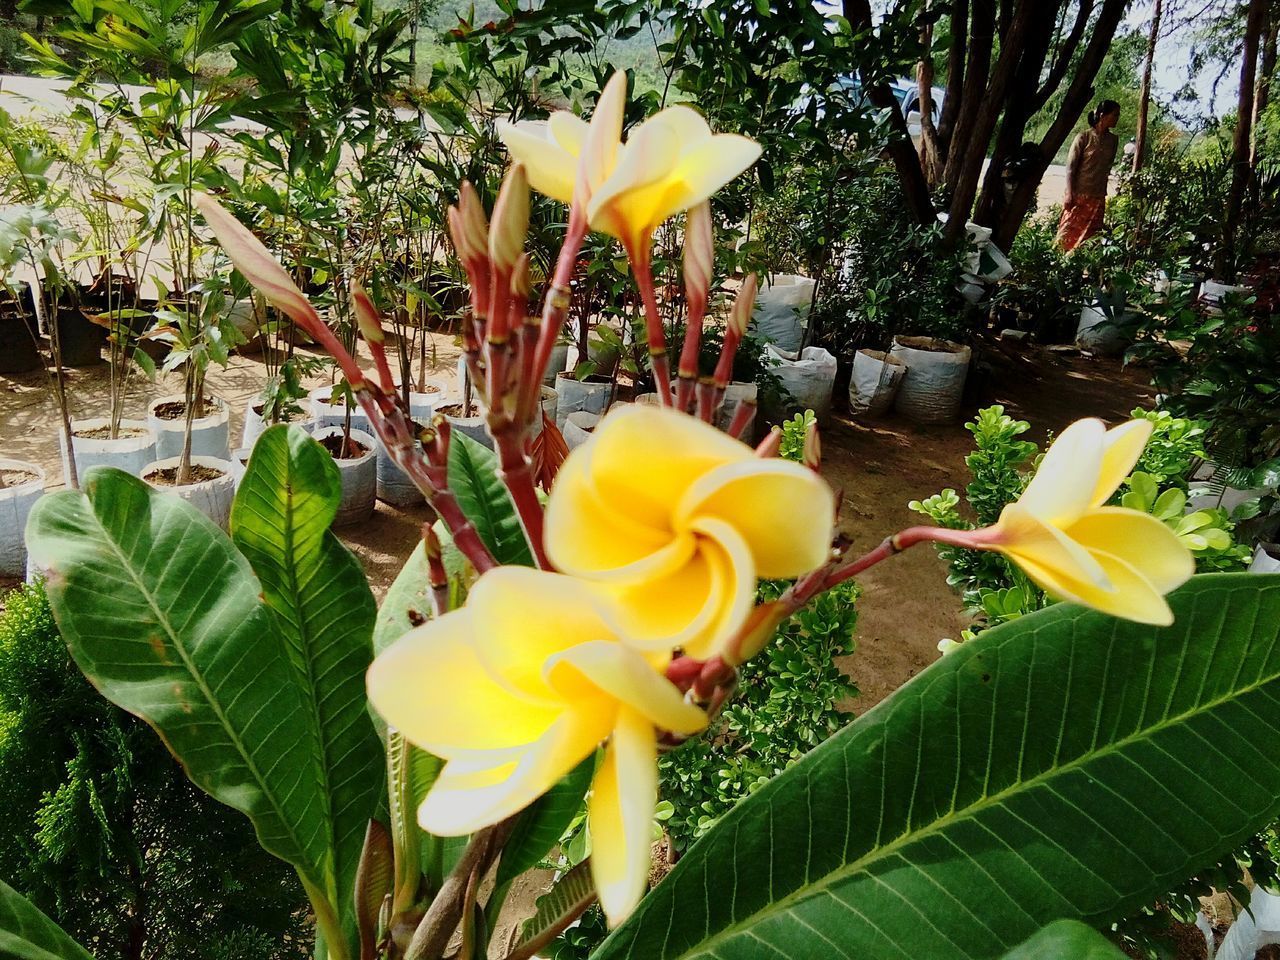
(163, 615)
(1052, 768)
(1066, 940)
(323, 612)
(473, 477)
(542, 825)
(554, 911)
(27, 934)
(407, 603)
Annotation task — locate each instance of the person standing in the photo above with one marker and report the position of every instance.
(1093, 154)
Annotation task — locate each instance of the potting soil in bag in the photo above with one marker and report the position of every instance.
(875, 382)
(809, 379)
(934, 384)
(782, 311)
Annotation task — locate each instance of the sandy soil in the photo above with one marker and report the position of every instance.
(879, 465)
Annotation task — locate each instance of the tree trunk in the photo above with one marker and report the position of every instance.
(968, 168)
(930, 156)
(1241, 172)
(1144, 98)
(976, 77)
(899, 148)
(1019, 108)
(1073, 105)
(1266, 70)
(956, 58)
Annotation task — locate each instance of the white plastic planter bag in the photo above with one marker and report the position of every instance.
(130, 452)
(782, 311)
(1098, 334)
(16, 501)
(1264, 561)
(578, 427)
(1255, 928)
(592, 395)
(394, 485)
(934, 383)
(809, 379)
(211, 497)
(209, 434)
(875, 382)
(1213, 293)
(359, 478)
(993, 265)
(326, 414)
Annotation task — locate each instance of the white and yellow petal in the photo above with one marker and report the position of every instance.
(1138, 539)
(432, 687)
(549, 166)
(1122, 447)
(1064, 484)
(620, 812)
(784, 511)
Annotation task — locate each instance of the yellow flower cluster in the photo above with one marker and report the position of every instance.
(662, 525)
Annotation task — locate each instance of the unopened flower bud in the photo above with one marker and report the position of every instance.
(699, 252)
(740, 314)
(367, 318)
(471, 237)
(812, 447)
(510, 219)
(521, 281)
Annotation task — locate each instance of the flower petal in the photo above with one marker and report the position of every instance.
(622, 675)
(521, 617)
(624, 795)
(644, 459)
(550, 166)
(432, 687)
(1133, 597)
(704, 170)
(1138, 539)
(1121, 448)
(784, 511)
(568, 130)
(648, 158)
(1063, 486)
(689, 125)
(1026, 538)
(477, 789)
(697, 606)
(597, 533)
(600, 149)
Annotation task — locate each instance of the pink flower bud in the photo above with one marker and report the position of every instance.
(699, 252)
(740, 315)
(366, 315)
(812, 447)
(510, 219)
(521, 281)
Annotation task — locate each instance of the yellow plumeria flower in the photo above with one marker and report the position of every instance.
(671, 162)
(1114, 559)
(515, 690)
(677, 520)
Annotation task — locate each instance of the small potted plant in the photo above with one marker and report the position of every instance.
(21, 485)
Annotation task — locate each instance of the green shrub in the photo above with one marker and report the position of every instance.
(101, 829)
(790, 698)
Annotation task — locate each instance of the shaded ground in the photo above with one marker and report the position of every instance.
(879, 465)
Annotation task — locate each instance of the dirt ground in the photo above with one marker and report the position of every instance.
(879, 465)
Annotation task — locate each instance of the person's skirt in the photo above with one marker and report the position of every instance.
(1081, 222)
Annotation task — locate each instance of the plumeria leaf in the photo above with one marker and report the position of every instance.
(960, 816)
(473, 477)
(542, 825)
(27, 934)
(556, 909)
(323, 612)
(1066, 940)
(130, 574)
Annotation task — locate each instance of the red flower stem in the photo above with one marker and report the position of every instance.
(688, 369)
(742, 417)
(659, 363)
(437, 576)
(379, 353)
(515, 469)
(770, 445)
(706, 401)
(555, 307)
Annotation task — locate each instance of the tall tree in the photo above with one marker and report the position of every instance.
(1144, 97)
(1006, 61)
(1241, 168)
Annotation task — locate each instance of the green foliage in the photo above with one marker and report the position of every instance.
(131, 571)
(27, 934)
(473, 477)
(102, 830)
(1065, 940)
(793, 434)
(961, 815)
(790, 698)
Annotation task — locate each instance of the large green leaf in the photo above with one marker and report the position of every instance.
(323, 612)
(473, 477)
(1065, 765)
(27, 934)
(1066, 940)
(407, 603)
(163, 615)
